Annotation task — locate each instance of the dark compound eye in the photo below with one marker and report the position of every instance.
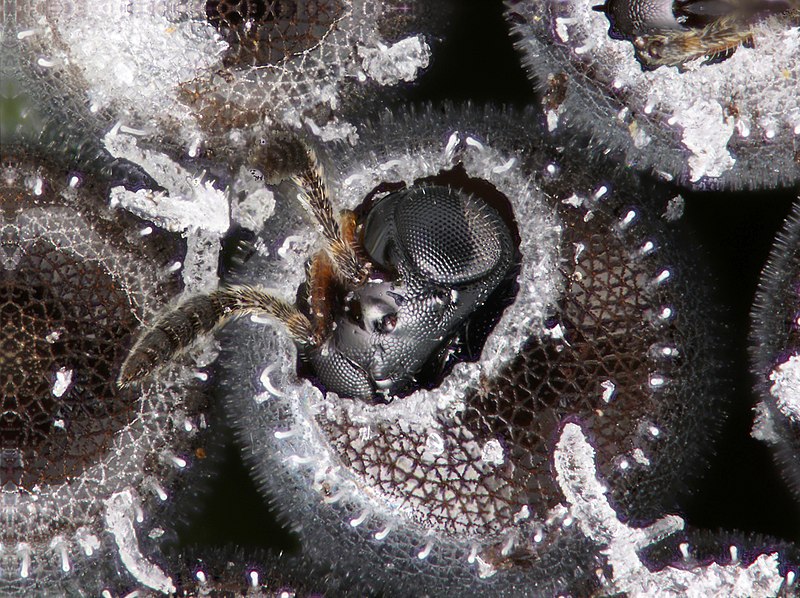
(590, 380)
(683, 89)
(84, 466)
(630, 18)
(446, 236)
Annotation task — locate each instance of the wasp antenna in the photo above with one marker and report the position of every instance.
(280, 156)
(315, 196)
(180, 327)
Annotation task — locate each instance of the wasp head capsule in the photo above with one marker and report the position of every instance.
(442, 253)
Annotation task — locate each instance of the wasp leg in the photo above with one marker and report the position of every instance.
(314, 194)
(284, 156)
(717, 42)
(176, 330)
(720, 56)
(321, 283)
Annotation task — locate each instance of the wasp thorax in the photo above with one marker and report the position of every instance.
(440, 253)
(264, 32)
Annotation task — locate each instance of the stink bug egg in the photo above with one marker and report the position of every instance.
(704, 92)
(469, 482)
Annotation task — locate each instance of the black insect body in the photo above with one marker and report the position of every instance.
(673, 32)
(387, 299)
(442, 253)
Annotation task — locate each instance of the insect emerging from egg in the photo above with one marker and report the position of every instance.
(674, 32)
(389, 297)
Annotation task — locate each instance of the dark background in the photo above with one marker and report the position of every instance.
(742, 490)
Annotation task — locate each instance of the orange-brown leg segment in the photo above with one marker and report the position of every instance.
(321, 281)
(716, 42)
(315, 196)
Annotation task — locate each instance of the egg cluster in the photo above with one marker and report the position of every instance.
(461, 350)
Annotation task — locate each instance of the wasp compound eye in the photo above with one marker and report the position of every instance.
(445, 236)
(703, 92)
(449, 251)
(630, 18)
(589, 379)
(775, 353)
(216, 74)
(85, 467)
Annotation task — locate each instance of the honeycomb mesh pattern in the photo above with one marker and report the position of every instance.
(261, 32)
(62, 319)
(196, 70)
(71, 297)
(81, 459)
(458, 490)
(469, 234)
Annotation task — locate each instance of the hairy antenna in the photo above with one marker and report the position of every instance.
(314, 195)
(180, 327)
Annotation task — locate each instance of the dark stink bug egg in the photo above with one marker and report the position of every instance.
(542, 461)
(775, 352)
(86, 469)
(702, 91)
(202, 76)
